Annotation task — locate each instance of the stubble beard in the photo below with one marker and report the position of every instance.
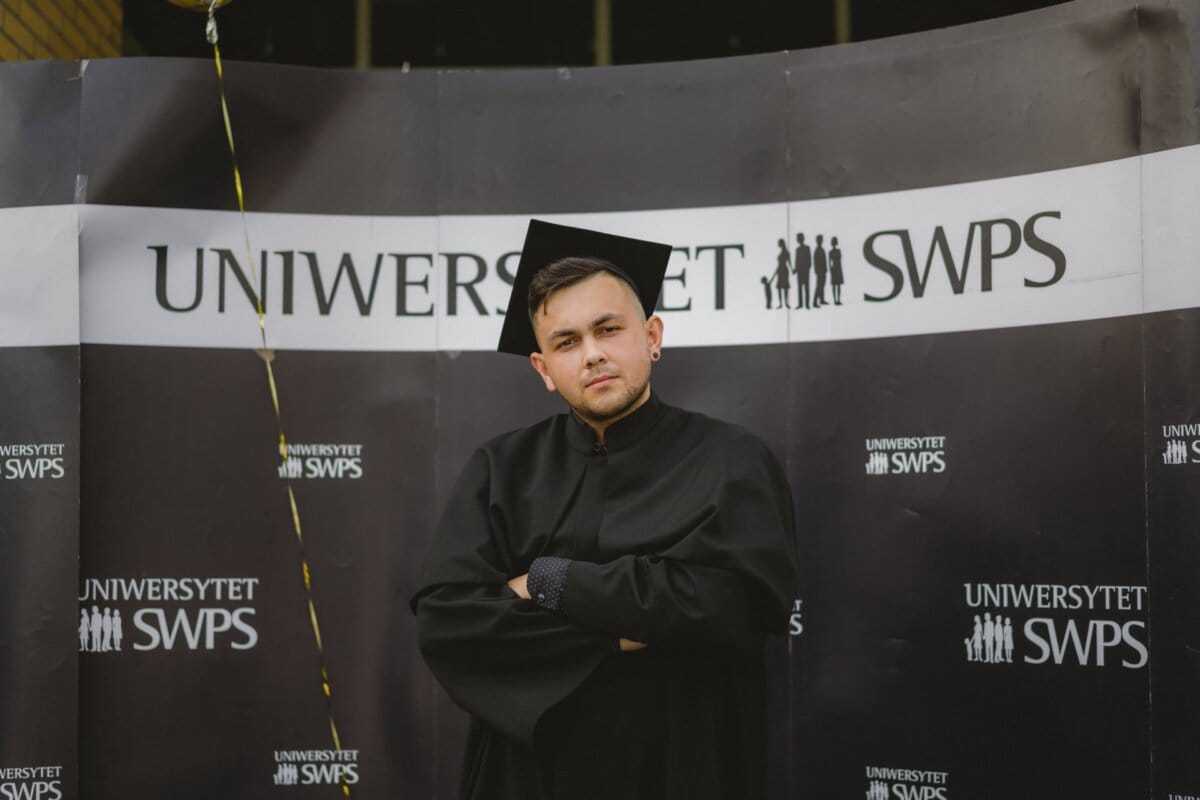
(626, 398)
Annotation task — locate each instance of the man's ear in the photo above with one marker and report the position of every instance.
(654, 332)
(539, 365)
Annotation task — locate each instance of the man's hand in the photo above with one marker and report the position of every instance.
(517, 584)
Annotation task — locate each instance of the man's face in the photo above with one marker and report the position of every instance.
(596, 345)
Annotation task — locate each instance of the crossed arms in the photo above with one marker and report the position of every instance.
(506, 659)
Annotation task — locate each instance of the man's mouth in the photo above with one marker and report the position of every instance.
(600, 380)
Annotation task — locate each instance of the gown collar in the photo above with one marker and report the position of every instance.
(622, 434)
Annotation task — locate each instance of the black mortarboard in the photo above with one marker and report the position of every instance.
(642, 263)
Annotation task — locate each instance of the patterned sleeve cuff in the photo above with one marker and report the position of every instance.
(547, 578)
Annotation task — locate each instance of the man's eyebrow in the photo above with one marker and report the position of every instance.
(607, 317)
(600, 320)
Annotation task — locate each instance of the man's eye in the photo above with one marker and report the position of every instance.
(564, 343)
(609, 329)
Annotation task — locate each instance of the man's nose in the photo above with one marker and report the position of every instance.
(593, 352)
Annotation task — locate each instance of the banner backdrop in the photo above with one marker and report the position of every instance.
(990, 422)
(40, 625)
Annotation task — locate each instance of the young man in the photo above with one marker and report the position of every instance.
(599, 587)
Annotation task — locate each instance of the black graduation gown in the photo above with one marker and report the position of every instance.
(680, 532)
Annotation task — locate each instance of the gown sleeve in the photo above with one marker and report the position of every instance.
(503, 659)
(727, 581)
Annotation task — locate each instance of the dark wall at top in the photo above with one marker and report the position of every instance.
(1082, 83)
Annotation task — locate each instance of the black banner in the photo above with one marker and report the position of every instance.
(39, 431)
(989, 425)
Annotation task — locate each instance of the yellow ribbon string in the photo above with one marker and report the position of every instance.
(267, 357)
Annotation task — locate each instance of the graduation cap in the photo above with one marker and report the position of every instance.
(642, 264)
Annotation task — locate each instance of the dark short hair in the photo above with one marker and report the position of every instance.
(567, 272)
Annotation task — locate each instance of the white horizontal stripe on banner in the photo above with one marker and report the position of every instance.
(39, 276)
(1171, 228)
(1049, 247)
